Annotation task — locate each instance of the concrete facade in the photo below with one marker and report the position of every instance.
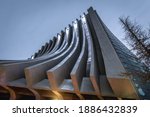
(81, 62)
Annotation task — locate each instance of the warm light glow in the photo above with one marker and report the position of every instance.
(59, 96)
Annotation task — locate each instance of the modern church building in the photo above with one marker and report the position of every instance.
(84, 61)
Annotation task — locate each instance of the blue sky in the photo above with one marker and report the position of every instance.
(25, 25)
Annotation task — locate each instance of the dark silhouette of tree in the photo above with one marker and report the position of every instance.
(139, 40)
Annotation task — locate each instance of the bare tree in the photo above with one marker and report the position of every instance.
(139, 40)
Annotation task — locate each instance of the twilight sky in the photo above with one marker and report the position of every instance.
(25, 25)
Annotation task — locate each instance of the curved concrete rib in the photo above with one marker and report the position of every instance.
(53, 45)
(61, 38)
(79, 69)
(10, 72)
(40, 51)
(35, 55)
(44, 50)
(113, 66)
(94, 74)
(103, 84)
(56, 45)
(49, 46)
(60, 72)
